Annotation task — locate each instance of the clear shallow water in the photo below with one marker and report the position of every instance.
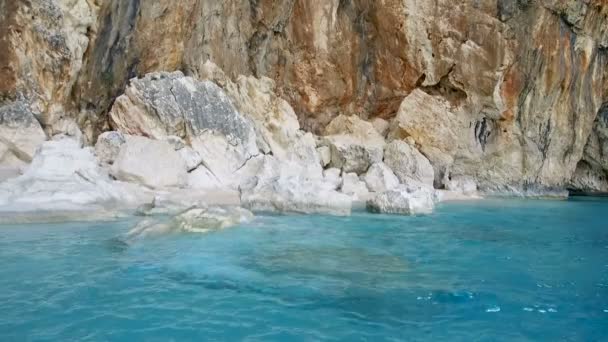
(486, 271)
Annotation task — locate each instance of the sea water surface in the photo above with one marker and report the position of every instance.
(493, 270)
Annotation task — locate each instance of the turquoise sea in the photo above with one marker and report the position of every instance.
(493, 270)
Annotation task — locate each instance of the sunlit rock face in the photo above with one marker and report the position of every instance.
(507, 92)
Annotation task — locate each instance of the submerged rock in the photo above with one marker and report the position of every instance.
(192, 220)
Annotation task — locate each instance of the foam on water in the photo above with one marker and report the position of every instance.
(492, 270)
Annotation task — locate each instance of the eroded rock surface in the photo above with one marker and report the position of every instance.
(509, 93)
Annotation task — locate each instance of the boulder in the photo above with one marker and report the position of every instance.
(404, 200)
(380, 178)
(282, 187)
(108, 146)
(355, 144)
(152, 163)
(160, 105)
(20, 135)
(65, 176)
(408, 163)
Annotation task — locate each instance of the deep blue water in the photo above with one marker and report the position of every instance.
(484, 271)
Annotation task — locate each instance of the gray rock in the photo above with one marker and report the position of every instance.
(108, 146)
(355, 144)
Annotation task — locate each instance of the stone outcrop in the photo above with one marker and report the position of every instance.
(65, 176)
(509, 93)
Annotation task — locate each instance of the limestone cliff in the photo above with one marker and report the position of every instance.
(511, 92)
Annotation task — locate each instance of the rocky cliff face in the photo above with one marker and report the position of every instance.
(511, 92)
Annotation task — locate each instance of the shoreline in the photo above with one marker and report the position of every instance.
(174, 201)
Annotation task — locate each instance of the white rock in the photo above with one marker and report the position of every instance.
(324, 155)
(153, 163)
(221, 157)
(382, 126)
(108, 146)
(282, 187)
(333, 178)
(408, 163)
(380, 178)
(404, 200)
(177, 142)
(354, 187)
(67, 128)
(202, 178)
(20, 135)
(64, 176)
(191, 157)
(462, 184)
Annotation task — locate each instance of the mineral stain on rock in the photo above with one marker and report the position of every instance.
(510, 94)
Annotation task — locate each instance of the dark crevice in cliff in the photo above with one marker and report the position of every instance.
(444, 88)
